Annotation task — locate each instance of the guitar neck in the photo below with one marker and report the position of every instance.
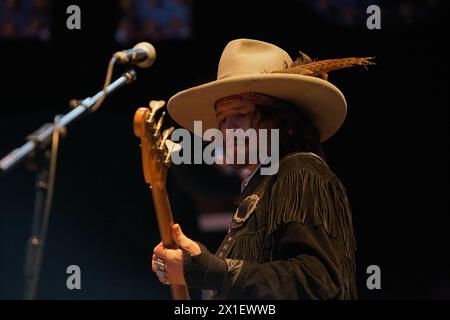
(165, 222)
(155, 157)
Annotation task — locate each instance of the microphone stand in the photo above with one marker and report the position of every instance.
(43, 146)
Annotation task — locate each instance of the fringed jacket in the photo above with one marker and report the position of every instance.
(291, 238)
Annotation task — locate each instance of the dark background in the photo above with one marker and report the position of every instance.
(391, 153)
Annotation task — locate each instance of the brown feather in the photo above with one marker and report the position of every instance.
(322, 67)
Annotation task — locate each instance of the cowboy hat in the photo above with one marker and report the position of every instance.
(254, 66)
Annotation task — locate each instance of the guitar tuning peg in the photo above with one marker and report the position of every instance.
(155, 106)
(153, 103)
(166, 133)
(171, 148)
(147, 117)
(159, 125)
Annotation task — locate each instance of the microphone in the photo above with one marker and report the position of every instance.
(143, 55)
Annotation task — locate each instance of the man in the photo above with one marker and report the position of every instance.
(291, 236)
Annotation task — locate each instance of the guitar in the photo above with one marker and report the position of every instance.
(156, 148)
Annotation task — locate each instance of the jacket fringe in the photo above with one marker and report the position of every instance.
(325, 200)
(254, 247)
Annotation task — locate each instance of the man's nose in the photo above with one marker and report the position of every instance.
(230, 122)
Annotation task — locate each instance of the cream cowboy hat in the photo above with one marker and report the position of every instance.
(254, 66)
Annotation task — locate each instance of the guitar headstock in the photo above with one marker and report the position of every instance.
(156, 147)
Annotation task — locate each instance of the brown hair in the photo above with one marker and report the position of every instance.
(298, 132)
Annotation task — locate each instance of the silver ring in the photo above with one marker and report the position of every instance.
(160, 265)
(166, 283)
(160, 274)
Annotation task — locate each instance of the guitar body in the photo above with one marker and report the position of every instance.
(155, 151)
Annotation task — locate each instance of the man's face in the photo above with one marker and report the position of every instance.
(235, 114)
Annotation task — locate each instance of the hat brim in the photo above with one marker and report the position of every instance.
(322, 100)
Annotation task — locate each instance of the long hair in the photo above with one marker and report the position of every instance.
(298, 132)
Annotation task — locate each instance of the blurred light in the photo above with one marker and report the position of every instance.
(153, 20)
(24, 19)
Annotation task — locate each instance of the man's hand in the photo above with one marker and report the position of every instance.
(173, 258)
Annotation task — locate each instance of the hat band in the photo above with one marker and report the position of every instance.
(256, 98)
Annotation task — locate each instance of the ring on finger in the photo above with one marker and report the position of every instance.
(160, 265)
(160, 274)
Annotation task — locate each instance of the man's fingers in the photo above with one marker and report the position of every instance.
(153, 263)
(184, 242)
(159, 247)
(160, 252)
(179, 237)
(163, 280)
